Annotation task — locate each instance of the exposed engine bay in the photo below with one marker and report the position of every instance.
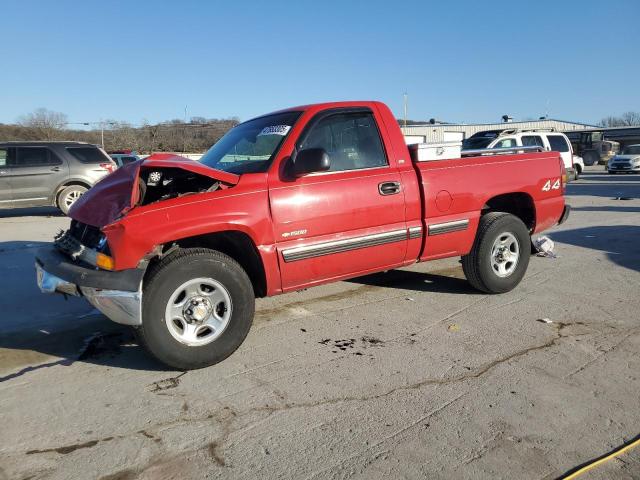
(158, 184)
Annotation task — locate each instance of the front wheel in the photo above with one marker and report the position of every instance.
(500, 254)
(197, 308)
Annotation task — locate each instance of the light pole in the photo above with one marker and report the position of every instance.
(405, 110)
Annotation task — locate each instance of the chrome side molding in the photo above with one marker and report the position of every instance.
(415, 232)
(337, 246)
(448, 227)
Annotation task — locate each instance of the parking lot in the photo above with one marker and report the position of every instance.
(406, 374)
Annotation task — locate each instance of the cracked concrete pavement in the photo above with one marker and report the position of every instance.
(406, 374)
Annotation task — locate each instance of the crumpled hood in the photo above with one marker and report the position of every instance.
(117, 193)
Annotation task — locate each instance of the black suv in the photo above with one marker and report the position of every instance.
(34, 174)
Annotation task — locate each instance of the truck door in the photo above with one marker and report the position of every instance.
(345, 221)
(5, 188)
(34, 175)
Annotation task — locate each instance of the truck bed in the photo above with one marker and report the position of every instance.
(453, 204)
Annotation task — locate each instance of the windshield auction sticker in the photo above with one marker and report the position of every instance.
(275, 130)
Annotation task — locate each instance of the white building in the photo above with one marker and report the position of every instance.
(444, 132)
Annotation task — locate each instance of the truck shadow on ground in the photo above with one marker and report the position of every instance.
(600, 184)
(39, 331)
(104, 343)
(619, 242)
(606, 209)
(449, 280)
(31, 212)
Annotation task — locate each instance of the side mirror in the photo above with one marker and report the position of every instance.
(311, 160)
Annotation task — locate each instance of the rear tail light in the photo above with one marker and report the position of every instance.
(110, 167)
(563, 176)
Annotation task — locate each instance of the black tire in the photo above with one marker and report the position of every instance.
(576, 172)
(590, 158)
(68, 196)
(165, 278)
(612, 173)
(477, 265)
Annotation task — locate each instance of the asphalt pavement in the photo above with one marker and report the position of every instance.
(405, 374)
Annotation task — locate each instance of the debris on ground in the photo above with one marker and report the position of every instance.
(453, 327)
(544, 245)
(544, 320)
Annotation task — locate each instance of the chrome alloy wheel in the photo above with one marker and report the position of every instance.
(198, 311)
(505, 254)
(71, 197)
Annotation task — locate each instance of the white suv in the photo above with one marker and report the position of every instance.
(547, 139)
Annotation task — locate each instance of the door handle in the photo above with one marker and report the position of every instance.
(389, 188)
(55, 169)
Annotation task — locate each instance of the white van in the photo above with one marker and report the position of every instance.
(547, 139)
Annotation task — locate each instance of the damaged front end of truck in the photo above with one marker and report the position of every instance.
(89, 258)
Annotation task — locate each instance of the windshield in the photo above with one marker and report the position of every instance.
(632, 150)
(250, 146)
(477, 142)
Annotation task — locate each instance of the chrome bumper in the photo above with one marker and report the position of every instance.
(51, 284)
(119, 306)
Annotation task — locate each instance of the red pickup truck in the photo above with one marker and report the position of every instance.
(300, 197)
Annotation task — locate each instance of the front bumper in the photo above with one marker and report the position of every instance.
(623, 167)
(116, 294)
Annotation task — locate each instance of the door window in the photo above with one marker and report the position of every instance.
(88, 154)
(35, 157)
(558, 143)
(351, 140)
(4, 157)
(506, 143)
(532, 141)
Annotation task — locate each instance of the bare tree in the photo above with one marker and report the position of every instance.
(627, 119)
(171, 136)
(45, 124)
(631, 118)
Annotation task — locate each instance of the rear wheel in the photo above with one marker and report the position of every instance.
(69, 196)
(590, 158)
(500, 254)
(198, 306)
(576, 172)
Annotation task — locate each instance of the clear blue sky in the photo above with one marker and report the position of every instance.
(461, 61)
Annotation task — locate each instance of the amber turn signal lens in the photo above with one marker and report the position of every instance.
(104, 261)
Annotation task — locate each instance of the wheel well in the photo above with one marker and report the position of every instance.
(68, 184)
(237, 245)
(517, 203)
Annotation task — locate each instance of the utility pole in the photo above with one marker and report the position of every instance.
(102, 133)
(405, 110)
(184, 133)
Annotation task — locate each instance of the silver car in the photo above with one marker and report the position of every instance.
(628, 161)
(35, 174)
